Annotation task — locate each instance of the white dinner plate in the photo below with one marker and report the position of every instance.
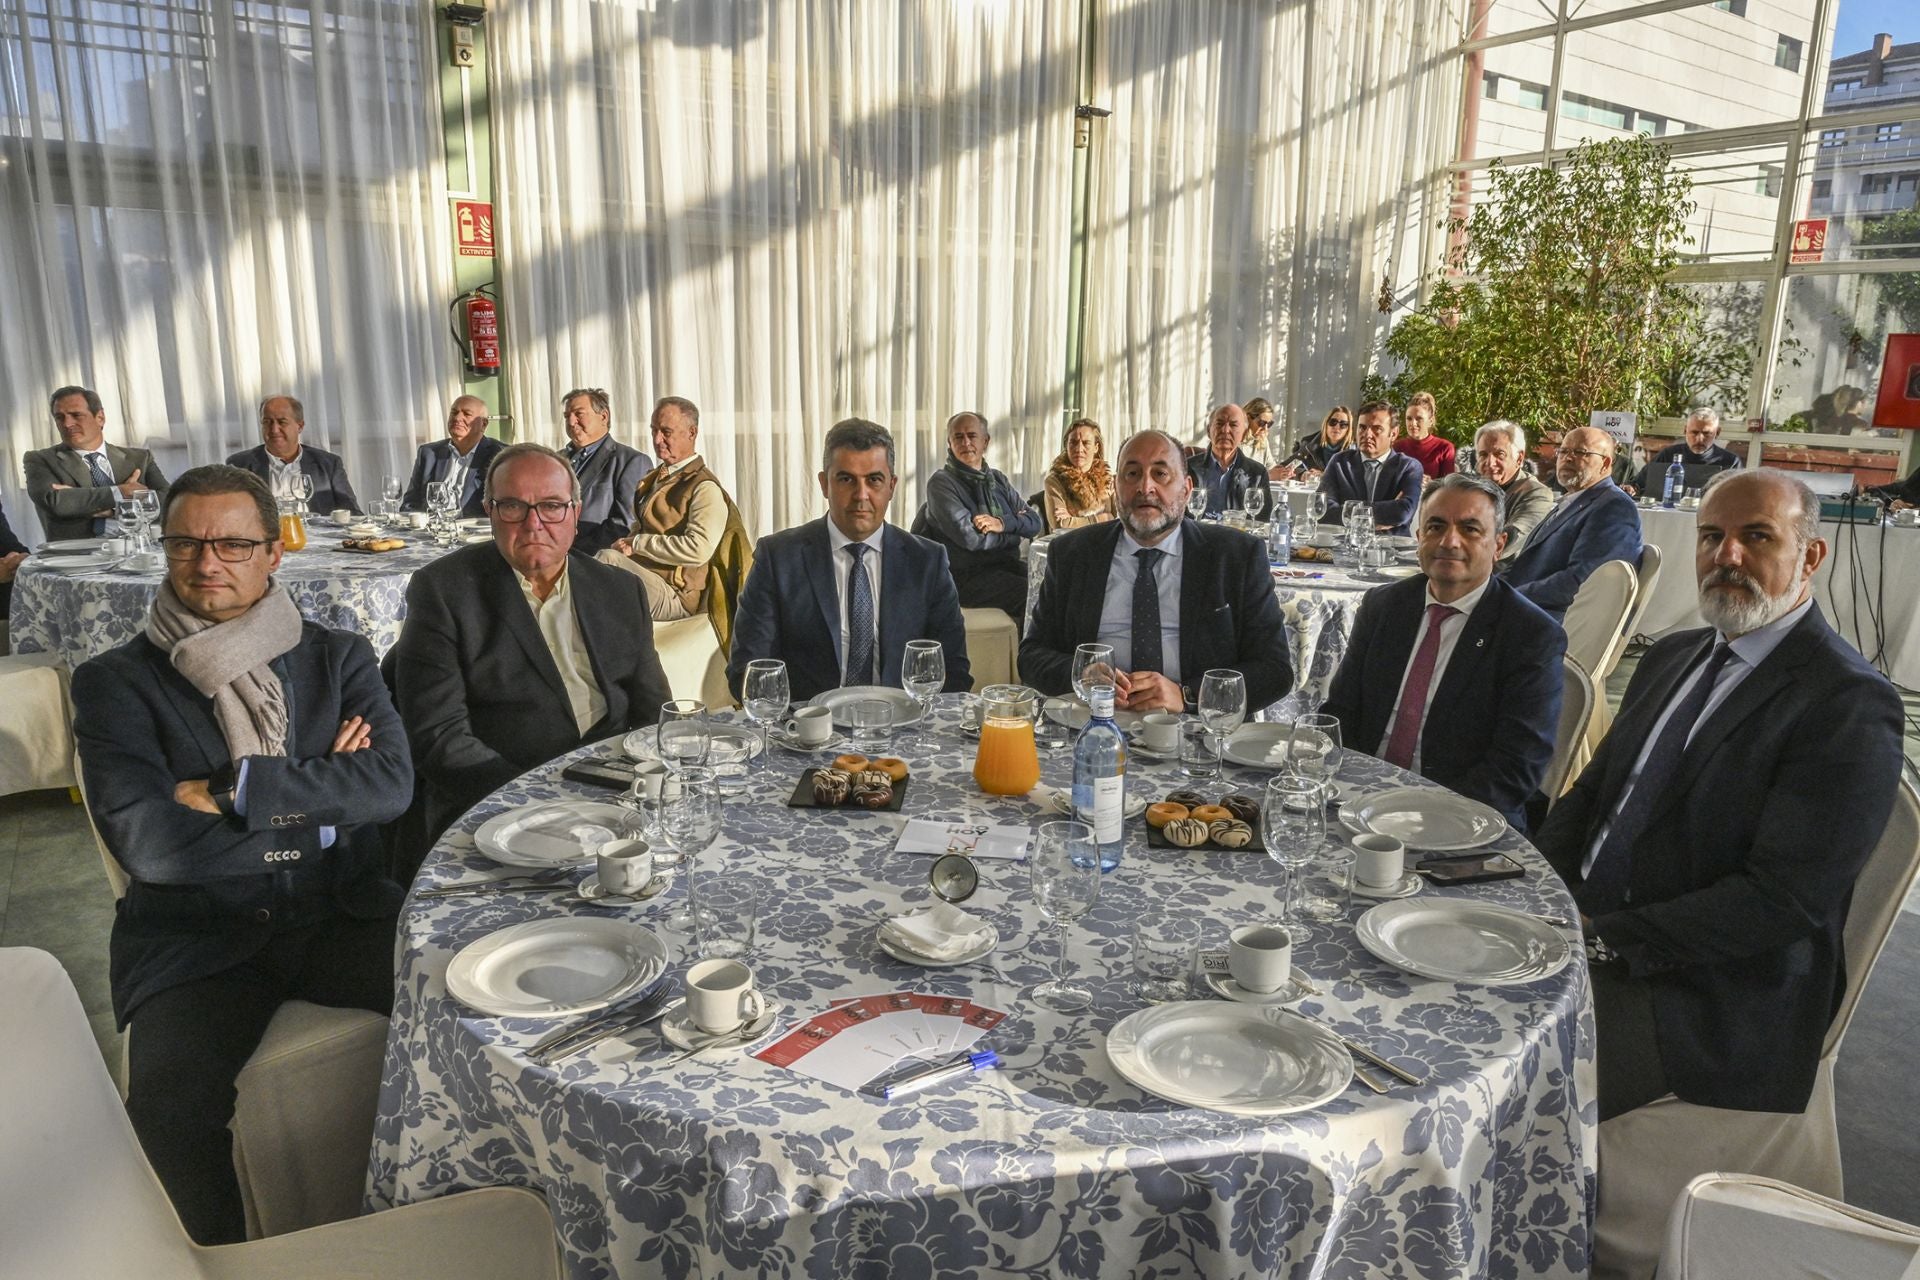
(905, 710)
(1323, 537)
(546, 968)
(1249, 1060)
(1389, 573)
(1074, 714)
(539, 835)
(74, 544)
(1400, 541)
(1424, 818)
(1460, 940)
(79, 563)
(740, 742)
(906, 955)
(1264, 746)
(474, 524)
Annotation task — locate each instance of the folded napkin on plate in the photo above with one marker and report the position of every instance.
(940, 932)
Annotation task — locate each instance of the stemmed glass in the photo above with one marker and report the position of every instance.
(127, 512)
(1293, 826)
(1065, 879)
(390, 494)
(1092, 665)
(683, 737)
(146, 506)
(1254, 500)
(691, 823)
(1197, 502)
(765, 695)
(1313, 748)
(303, 486)
(1318, 504)
(1223, 704)
(923, 670)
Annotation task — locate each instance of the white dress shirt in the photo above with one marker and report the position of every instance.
(461, 464)
(838, 542)
(561, 630)
(1450, 630)
(1749, 651)
(1116, 611)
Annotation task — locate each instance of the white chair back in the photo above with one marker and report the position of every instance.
(1576, 709)
(1738, 1227)
(1878, 895)
(36, 719)
(1648, 578)
(116, 874)
(1597, 614)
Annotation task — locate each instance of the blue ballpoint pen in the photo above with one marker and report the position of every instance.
(984, 1060)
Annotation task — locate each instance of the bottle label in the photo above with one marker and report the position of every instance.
(1109, 801)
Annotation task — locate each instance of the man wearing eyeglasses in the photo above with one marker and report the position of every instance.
(238, 761)
(516, 652)
(1594, 522)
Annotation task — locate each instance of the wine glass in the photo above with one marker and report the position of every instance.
(1197, 502)
(1065, 880)
(127, 512)
(765, 695)
(1254, 500)
(923, 670)
(1092, 664)
(303, 486)
(146, 504)
(1313, 748)
(1293, 826)
(1223, 703)
(390, 488)
(691, 823)
(1318, 504)
(683, 736)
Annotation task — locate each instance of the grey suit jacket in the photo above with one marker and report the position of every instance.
(607, 484)
(331, 488)
(69, 513)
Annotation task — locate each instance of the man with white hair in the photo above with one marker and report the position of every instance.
(1500, 454)
(1697, 449)
(1713, 842)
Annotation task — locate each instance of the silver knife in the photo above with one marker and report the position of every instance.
(519, 884)
(1355, 1047)
(571, 1040)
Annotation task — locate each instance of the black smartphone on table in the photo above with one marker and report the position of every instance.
(1478, 869)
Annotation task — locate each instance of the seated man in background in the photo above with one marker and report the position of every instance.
(1174, 597)
(1373, 473)
(977, 515)
(1901, 494)
(1696, 449)
(280, 459)
(683, 519)
(1222, 470)
(1713, 842)
(1593, 523)
(515, 652)
(610, 472)
(462, 457)
(238, 761)
(1500, 453)
(73, 484)
(838, 598)
(1455, 675)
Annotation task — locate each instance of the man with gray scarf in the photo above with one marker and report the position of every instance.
(237, 761)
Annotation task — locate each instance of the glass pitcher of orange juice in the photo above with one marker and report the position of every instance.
(1007, 764)
(293, 525)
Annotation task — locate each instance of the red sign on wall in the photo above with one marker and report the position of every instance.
(1809, 240)
(473, 228)
(1899, 402)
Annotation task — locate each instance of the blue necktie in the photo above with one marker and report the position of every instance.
(101, 480)
(1612, 875)
(860, 643)
(1147, 655)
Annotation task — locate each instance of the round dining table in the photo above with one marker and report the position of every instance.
(1053, 1165)
(79, 614)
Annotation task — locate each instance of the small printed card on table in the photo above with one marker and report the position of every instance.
(863, 1037)
(974, 839)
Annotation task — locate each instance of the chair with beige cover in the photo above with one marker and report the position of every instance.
(685, 647)
(1576, 708)
(78, 1199)
(1649, 578)
(36, 738)
(1648, 1156)
(303, 1121)
(1593, 622)
(993, 646)
(1733, 1227)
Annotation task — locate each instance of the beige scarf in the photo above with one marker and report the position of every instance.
(227, 661)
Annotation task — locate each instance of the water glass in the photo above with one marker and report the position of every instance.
(1065, 881)
(1199, 750)
(1092, 664)
(923, 670)
(1293, 827)
(1313, 748)
(1163, 956)
(729, 915)
(1223, 703)
(683, 737)
(1197, 502)
(870, 723)
(1254, 500)
(1327, 891)
(765, 695)
(690, 823)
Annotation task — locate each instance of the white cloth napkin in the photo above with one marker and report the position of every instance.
(941, 932)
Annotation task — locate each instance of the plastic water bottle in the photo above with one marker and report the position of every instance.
(1280, 533)
(1676, 482)
(1100, 776)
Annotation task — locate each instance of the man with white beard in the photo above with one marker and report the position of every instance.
(1713, 842)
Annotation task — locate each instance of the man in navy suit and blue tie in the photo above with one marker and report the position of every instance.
(1594, 522)
(1373, 473)
(463, 456)
(1454, 674)
(838, 598)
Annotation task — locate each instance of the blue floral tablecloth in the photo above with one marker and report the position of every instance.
(1052, 1166)
(81, 615)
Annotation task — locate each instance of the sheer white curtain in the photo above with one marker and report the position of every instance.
(789, 211)
(1266, 165)
(205, 201)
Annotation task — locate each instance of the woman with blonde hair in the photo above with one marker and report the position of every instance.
(1311, 456)
(1080, 483)
(1259, 443)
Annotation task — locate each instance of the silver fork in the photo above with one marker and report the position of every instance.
(596, 1027)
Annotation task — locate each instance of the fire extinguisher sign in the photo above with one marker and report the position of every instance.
(473, 228)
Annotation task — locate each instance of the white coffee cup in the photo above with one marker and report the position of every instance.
(811, 726)
(1379, 862)
(1260, 957)
(344, 516)
(647, 777)
(720, 996)
(625, 866)
(416, 519)
(1160, 731)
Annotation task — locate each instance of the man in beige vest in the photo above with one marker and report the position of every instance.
(681, 517)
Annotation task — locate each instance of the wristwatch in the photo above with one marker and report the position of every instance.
(220, 785)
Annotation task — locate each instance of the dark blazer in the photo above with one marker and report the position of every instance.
(1395, 497)
(207, 891)
(9, 544)
(478, 689)
(331, 489)
(607, 484)
(1741, 884)
(1907, 491)
(435, 462)
(1563, 551)
(1244, 474)
(68, 513)
(790, 609)
(1228, 616)
(1490, 729)
(1715, 456)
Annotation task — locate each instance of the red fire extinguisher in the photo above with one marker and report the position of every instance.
(475, 321)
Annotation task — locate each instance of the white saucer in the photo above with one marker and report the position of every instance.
(591, 891)
(905, 956)
(1407, 887)
(1226, 988)
(677, 1029)
(1061, 801)
(834, 743)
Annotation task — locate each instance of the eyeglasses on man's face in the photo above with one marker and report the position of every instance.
(1583, 453)
(180, 547)
(514, 511)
